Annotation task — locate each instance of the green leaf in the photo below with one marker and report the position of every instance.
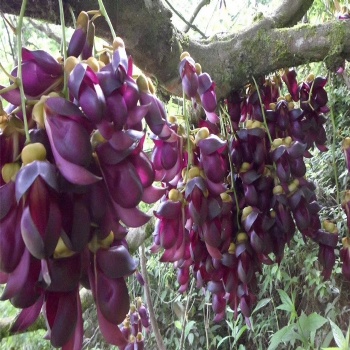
(261, 304)
(286, 300)
(189, 327)
(222, 340)
(283, 335)
(338, 335)
(239, 334)
(311, 323)
(190, 338)
(285, 307)
(178, 324)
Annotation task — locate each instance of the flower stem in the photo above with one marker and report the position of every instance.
(334, 164)
(19, 81)
(262, 110)
(105, 15)
(224, 116)
(64, 47)
(188, 132)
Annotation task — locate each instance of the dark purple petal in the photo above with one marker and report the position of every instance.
(76, 341)
(17, 279)
(7, 196)
(74, 173)
(112, 298)
(116, 262)
(27, 317)
(31, 235)
(131, 217)
(204, 83)
(65, 273)
(110, 331)
(42, 58)
(212, 144)
(29, 173)
(152, 194)
(62, 314)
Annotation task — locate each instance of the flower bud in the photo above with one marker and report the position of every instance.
(193, 172)
(201, 134)
(246, 211)
(330, 227)
(107, 241)
(310, 78)
(277, 190)
(293, 185)
(232, 247)
(61, 250)
(105, 58)
(346, 242)
(70, 64)
(142, 83)
(288, 97)
(226, 198)
(32, 152)
(93, 64)
(184, 54)
(198, 68)
(118, 43)
(174, 195)
(272, 106)
(9, 171)
(241, 237)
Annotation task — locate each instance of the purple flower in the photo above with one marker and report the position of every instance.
(41, 73)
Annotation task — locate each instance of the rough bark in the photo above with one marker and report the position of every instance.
(272, 43)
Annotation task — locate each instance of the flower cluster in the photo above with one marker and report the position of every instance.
(239, 191)
(70, 191)
(135, 322)
(233, 188)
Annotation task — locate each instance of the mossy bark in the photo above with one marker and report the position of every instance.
(271, 43)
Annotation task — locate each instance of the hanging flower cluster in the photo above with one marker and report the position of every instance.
(238, 191)
(232, 188)
(70, 192)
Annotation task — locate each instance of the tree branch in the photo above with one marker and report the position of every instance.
(46, 29)
(290, 12)
(195, 13)
(189, 24)
(231, 61)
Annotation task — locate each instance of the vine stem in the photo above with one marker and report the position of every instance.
(262, 110)
(335, 169)
(19, 80)
(224, 115)
(152, 316)
(188, 132)
(182, 339)
(333, 155)
(64, 48)
(105, 15)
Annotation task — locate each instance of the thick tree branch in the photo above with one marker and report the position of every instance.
(189, 24)
(290, 12)
(156, 45)
(195, 13)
